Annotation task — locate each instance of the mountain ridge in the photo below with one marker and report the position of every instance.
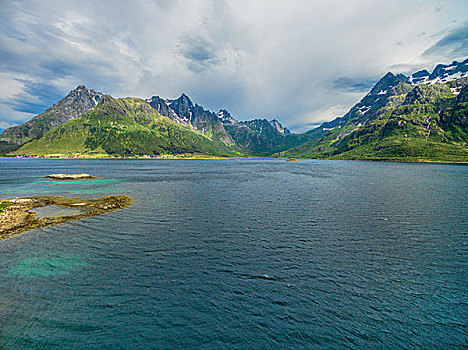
(123, 127)
(418, 117)
(401, 118)
(181, 111)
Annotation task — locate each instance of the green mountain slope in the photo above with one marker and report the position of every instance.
(257, 137)
(123, 127)
(7, 147)
(398, 121)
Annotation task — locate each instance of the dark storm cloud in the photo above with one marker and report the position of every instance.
(35, 98)
(360, 84)
(301, 62)
(59, 67)
(200, 52)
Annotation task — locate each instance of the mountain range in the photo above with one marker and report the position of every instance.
(422, 117)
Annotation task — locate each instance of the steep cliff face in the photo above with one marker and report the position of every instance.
(256, 137)
(184, 112)
(76, 103)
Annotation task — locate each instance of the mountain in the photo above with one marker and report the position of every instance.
(70, 107)
(50, 133)
(123, 127)
(423, 117)
(258, 137)
(441, 74)
(184, 112)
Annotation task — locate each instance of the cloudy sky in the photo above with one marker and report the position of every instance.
(300, 61)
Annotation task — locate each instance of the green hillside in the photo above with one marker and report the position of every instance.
(422, 123)
(123, 127)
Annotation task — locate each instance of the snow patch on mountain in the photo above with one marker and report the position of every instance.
(441, 74)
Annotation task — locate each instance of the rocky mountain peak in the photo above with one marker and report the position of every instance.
(82, 95)
(185, 100)
(280, 128)
(419, 76)
(226, 117)
(441, 74)
(182, 107)
(387, 82)
(421, 73)
(163, 107)
(76, 103)
(438, 71)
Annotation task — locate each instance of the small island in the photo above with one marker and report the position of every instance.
(69, 176)
(18, 215)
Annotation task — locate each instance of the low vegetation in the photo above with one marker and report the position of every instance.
(4, 205)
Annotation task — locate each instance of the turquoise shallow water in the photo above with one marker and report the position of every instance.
(47, 266)
(43, 187)
(241, 254)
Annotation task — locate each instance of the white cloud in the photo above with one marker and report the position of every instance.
(10, 86)
(264, 58)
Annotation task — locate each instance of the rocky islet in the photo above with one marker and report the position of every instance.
(17, 216)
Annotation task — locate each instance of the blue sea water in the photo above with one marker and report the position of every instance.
(247, 254)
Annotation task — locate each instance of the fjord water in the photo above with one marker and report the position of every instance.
(241, 254)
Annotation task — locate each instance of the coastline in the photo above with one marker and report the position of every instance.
(16, 216)
(206, 157)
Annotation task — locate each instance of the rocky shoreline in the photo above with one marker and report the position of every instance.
(16, 216)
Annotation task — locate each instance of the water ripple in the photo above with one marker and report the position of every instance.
(248, 254)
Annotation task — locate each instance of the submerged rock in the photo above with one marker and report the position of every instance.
(17, 215)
